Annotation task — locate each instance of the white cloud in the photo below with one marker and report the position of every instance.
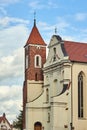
(12, 65)
(10, 101)
(81, 16)
(5, 21)
(68, 38)
(52, 4)
(36, 5)
(7, 92)
(12, 38)
(61, 25)
(7, 2)
(3, 11)
(41, 5)
(45, 26)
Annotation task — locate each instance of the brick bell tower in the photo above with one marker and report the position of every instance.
(35, 57)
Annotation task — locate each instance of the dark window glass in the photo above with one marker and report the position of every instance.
(37, 61)
(80, 95)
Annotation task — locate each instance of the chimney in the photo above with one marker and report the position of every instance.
(3, 114)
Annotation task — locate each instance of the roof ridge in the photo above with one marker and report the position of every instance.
(75, 42)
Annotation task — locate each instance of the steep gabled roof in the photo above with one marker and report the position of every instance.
(35, 37)
(1, 119)
(4, 119)
(76, 51)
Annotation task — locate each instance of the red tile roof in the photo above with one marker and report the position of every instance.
(3, 118)
(76, 51)
(35, 37)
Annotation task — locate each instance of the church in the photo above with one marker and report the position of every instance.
(55, 88)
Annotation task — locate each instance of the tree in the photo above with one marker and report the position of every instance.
(18, 123)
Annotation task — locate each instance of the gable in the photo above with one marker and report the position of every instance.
(54, 40)
(3, 120)
(69, 50)
(56, 51)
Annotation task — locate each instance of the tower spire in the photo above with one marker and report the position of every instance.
(34, 18)
(55, 30)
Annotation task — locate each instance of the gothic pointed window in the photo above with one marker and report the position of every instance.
(80, 96)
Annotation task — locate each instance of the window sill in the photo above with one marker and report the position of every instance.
(82, 118)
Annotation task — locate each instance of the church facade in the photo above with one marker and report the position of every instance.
(55, 88)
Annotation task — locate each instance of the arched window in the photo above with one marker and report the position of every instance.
(38, 126)
(47, 95)
(54, 50)
(54, 58)
(80, 95)
(26, 62)
(37, 61)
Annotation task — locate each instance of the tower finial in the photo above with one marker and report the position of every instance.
(55, 30)
(34, 18)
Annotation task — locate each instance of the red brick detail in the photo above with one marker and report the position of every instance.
(32, 70)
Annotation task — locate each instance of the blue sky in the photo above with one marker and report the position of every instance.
(16, 22)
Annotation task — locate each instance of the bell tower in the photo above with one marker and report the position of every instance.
(35, 57)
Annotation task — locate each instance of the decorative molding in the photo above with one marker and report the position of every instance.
(62, 104)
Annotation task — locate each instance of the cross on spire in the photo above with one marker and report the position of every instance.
(34, 18)
(55, 30)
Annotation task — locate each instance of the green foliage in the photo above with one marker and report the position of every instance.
(17, 123)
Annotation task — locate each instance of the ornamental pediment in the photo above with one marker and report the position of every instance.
(56, 51)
